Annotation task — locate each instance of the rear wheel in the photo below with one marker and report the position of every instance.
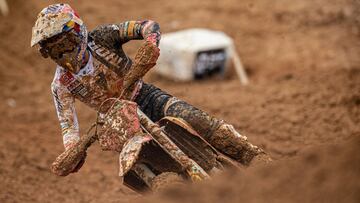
(166, 180)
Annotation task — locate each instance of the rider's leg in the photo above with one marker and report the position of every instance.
(151, 101)
(157, 104)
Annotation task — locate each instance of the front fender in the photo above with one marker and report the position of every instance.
(130, 152)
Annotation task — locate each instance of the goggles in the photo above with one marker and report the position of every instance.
(56, 46)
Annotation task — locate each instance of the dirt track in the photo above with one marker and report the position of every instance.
(302, 106)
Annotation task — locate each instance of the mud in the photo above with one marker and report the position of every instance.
(166, 180)
(67, 161)
(204, 124)
(121, 123)
(306, 178)
(195, 172)
(218, 133)
(301, 105)
(189, 142)
(230, 142)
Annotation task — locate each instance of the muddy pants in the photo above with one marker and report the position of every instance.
(157, 104)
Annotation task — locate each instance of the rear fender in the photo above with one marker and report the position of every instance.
(130, 152)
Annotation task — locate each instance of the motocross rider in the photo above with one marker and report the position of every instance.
(91, 67)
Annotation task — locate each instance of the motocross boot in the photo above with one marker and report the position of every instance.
(221, 135)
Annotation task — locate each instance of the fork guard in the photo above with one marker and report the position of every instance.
(130, 152)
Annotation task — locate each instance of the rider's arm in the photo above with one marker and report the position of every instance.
(65, 108)
(147, 29)
(118, 34)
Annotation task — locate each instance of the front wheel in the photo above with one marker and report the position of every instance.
(166, 180)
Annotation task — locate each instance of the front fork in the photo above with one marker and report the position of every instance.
(194, 171)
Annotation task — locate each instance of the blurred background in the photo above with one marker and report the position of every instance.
(302, 104)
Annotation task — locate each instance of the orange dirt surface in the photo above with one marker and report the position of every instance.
(302, 104)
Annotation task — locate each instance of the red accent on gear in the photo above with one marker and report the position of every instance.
(66, 78)
(77, 28)
(75, 13)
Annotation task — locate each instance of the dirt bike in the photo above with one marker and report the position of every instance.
(151, 154)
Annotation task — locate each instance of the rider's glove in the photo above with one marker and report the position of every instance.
(147, 54)
(80, 164)
(70, 145)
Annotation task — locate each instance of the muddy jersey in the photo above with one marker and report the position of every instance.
(103, 74)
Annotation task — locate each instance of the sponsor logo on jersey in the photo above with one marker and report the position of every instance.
(74, 85)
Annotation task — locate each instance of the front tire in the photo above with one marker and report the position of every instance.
(166, 180)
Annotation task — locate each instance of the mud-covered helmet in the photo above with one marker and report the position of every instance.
(62, 35)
